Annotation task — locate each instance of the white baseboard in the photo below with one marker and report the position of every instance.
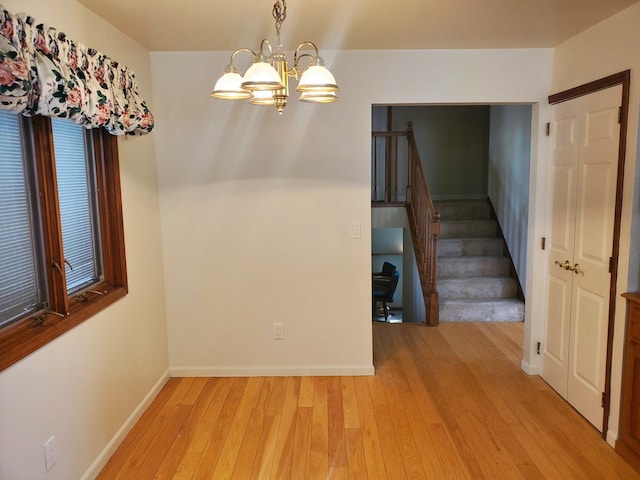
(120, 435)
(529, 369)
(274, 371)
(612, 436)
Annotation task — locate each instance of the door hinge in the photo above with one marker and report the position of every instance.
(619, 114)
(610, 264)
(548, 129)
(538, 348)
(603, 401)
(544, 242)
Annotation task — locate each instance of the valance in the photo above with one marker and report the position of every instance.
(42, 72)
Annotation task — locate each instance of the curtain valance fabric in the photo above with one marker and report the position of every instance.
(42, 72)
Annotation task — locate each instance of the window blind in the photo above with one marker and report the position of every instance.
(20, 291)
(78, 206)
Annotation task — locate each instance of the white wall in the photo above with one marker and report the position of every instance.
(508, 177)
(607, 48)
(453, 142)
(83, 386)
(256, 208)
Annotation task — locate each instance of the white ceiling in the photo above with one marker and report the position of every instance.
(192, 25)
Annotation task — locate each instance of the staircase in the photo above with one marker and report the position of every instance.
(473, 274)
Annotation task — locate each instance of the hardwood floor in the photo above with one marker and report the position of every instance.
(446, 403)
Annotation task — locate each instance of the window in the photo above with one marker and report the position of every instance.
(61, 236)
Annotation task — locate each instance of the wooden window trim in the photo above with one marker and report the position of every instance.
(24, 336)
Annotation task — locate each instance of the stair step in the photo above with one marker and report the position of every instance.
(481, 310)
(458, 247)
(468, 228)
(484, 266)
(477, 287)
(463, 209)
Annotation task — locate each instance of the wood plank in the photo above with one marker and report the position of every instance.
(233, 441)
(267, 445)
(369, 428)
(218, 434)
(200, 437)
(199, 397)
(446, 403)
(286, 431)
(337, 443)
(246, 454)
(319, 458)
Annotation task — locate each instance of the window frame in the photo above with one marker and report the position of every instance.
(26, 335)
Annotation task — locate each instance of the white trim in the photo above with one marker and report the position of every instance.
(126, 427)
(274, 371)
(612, 437)
(529, 369)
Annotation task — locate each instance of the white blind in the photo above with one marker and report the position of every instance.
(78, 206)
(19, 281)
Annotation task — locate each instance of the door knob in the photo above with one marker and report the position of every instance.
(566, 265)
(577, 269)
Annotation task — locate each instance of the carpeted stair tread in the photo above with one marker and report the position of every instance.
(458, 247)
(468, 228)
(481, 310)
(476, 287)
(482, 266)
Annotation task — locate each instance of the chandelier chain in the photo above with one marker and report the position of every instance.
(279, 13)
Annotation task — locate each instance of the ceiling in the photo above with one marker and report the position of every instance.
(192, 25)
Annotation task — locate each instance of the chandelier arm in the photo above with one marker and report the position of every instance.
(300, 47)
(266, 42)
(233, 55)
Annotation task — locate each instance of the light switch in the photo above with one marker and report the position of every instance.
(355, 230)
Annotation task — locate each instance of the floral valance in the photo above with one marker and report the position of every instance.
(42, 72)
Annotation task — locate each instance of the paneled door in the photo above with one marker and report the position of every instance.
(585, 135)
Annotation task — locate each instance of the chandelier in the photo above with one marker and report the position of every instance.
(266, 81)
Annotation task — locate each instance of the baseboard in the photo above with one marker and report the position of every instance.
(120, 435)
(529, 369)
(275, 371)
(612, 438)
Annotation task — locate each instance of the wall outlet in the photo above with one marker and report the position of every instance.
(50, 456)
(278, 331)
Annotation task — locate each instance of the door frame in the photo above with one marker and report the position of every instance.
(622, 78)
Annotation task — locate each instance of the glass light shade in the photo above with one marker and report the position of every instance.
(262, 97)
(317, 78)
(228, 87)
(262, 76)
(318, 97)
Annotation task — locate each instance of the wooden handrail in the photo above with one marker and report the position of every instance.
(425, 226)
(424, 220)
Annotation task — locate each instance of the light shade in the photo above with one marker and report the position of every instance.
(262, 97)
(229, 87)
(318, 97)
(317, 78)
(262, 76)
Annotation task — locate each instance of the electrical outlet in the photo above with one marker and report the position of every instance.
(278, 331)
(50, 457)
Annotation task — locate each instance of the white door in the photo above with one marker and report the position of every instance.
(585, 138)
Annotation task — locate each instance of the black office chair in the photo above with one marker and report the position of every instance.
(388, 270)
(384, 290)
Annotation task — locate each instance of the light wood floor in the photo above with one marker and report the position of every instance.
(446, 403)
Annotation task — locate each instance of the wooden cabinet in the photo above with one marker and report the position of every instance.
(628, 444)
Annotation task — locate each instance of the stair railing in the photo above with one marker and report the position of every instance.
(425, 226)
(424, 221)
